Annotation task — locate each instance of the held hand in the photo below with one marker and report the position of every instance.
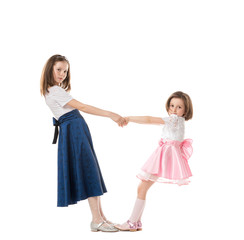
(127, 120)
(123, 122)
(119, 120)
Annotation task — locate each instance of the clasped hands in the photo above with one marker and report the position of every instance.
(121, 121)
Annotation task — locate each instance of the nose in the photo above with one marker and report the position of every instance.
(62, 74)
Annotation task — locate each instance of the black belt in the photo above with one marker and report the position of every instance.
(66, 117)
(56, 124)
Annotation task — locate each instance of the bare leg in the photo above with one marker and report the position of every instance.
(101, 212)
(100, 208)
(98, 222)
(143, 188)
(94, 206)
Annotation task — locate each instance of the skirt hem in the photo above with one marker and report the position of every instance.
(144, 176)
(81, 199)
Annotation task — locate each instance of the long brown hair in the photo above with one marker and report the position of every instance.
(187, 102)
(47, 79)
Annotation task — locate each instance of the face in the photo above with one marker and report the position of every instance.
(177, 107)
(60, 70)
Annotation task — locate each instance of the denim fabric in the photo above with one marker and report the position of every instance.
(79, 175)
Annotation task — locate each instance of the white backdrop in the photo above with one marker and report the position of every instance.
(127, 57)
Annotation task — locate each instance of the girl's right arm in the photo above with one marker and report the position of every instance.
(145, 120)
(97, 111)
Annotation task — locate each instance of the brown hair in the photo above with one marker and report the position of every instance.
(47, 79)
(187, 102)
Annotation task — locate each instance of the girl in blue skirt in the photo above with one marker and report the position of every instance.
(79, 175)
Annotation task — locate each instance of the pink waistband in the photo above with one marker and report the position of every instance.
(175, 142)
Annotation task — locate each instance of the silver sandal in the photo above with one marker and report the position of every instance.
(95, 227)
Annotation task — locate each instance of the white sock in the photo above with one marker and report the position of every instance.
(137, 210)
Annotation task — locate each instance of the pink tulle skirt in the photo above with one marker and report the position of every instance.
(169, 163)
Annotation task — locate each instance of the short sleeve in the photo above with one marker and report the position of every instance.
(61, 96)
(166, 119)
(172, 121)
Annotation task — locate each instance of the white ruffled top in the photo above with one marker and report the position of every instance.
(174, 128)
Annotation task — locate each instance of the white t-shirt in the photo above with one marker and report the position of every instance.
(174, 128)
(56, 99)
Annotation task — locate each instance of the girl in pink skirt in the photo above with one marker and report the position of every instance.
(169, 162)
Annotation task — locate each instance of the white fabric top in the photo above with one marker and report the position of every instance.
(56, 99)
(174, 128)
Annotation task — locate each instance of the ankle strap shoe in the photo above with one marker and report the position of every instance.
(103, 227)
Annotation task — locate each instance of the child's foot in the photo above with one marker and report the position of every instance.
(103, 226)
(127, 226)
(139, 226)
(110, 223)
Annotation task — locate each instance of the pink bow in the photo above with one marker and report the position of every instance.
(186, 148)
